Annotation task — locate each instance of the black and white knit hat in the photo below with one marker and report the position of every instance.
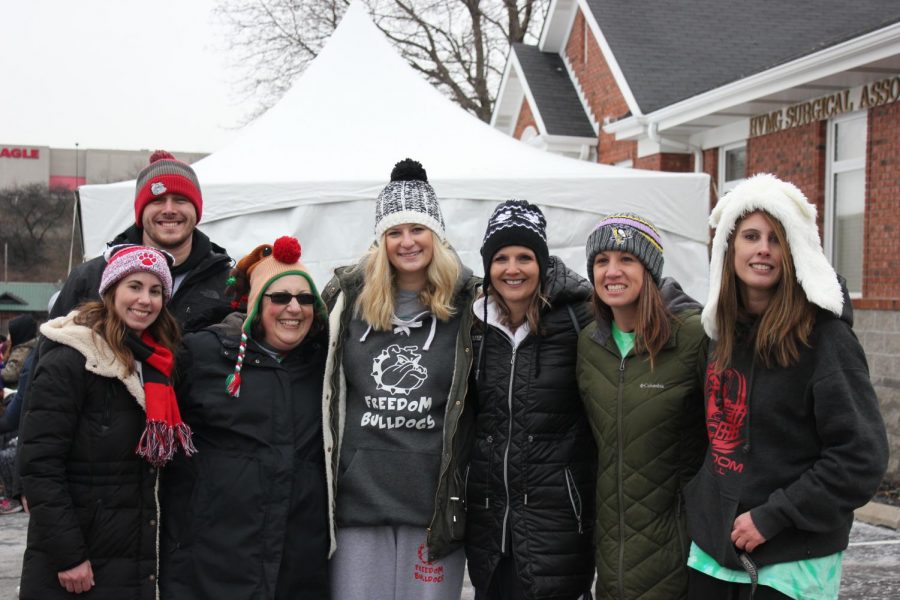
(408, 198)
(515, 223)
(785, 202)
(627, 232)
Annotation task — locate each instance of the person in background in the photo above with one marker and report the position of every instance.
(530, 484)
(22, 340)
(247, 517)
(102, 421)
(640, 371)
(796, 437)
(9, 428)
(394, 403)
(168, 205)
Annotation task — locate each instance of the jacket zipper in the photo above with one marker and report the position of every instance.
(490, 471)
(107, 411)
(574, 497)
(467, 343)
(619, 467)
(512, 372)
(682, 545)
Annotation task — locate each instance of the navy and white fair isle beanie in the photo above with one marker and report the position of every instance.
(515, 223)
(627, 232)
(408, 198)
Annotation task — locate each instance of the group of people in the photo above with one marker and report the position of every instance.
(197, 430)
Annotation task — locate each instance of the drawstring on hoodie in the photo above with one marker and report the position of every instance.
(406, 326)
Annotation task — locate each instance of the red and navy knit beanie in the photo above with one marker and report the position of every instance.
(166, 175)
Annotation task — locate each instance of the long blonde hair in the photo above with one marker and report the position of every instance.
(787, 321)
(376, 301)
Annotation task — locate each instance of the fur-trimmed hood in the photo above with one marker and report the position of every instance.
(785, 202)
(98, 356)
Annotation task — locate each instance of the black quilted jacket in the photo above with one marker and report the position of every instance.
(530, 483)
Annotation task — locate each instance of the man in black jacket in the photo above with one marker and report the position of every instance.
(167, 207)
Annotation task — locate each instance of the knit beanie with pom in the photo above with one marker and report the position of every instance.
(408, 198)
(166, 175)
(250, 279)
(124, 259)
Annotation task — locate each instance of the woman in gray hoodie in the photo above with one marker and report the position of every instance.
(394, 420)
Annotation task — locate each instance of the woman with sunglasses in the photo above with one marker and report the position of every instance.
(398, 363)
(246, 517)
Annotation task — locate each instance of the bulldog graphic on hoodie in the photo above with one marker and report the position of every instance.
(397, 386)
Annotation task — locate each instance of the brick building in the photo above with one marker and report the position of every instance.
(807, 90)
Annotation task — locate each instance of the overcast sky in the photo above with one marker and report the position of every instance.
(123, 74)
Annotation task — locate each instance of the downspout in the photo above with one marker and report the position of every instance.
(653, 134)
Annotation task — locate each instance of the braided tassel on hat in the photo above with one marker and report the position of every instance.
(233, 381)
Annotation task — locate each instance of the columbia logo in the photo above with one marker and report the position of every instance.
(653, 386)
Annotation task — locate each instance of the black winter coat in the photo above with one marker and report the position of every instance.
(198, 302)
(799, 447)
(530, 483)
(90, 495)
(247, 516)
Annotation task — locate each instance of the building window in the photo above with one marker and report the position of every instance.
(732, 166)
(845, 197)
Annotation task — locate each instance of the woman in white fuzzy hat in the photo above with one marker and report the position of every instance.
(797, 441)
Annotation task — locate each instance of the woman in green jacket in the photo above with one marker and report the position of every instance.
(640, 372)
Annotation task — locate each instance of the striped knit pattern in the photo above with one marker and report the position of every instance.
(166, 176)
(408, 202)
(627, 232)
(123, 260)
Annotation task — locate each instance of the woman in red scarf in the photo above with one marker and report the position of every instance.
(102, 419)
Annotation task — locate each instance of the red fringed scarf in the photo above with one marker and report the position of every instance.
(158, 442)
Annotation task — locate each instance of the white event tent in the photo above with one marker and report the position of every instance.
(313, 164)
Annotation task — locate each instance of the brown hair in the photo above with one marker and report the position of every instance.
(532, 313)
(652, 328)
(787, 321)
(100, 316)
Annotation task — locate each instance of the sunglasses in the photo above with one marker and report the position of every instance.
(303, 298)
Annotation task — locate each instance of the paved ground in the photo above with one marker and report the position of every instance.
(871, 564)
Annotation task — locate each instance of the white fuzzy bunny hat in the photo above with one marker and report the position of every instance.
(785, 202)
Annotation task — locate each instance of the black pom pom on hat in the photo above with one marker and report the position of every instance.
(409, 170)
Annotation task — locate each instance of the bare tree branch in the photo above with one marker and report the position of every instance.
(460, 46)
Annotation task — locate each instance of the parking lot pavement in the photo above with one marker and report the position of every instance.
(13, 529)
(871, 563)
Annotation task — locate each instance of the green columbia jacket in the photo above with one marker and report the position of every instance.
(447, 529)
(650, 433)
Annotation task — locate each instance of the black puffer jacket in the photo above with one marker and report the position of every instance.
(247, 516)
(530, 483)
(91, 496)
(198, 302)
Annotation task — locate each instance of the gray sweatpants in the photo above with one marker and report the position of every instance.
(390, 563)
